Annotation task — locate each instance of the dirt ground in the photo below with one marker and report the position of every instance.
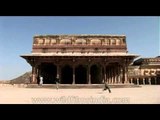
(147, 94)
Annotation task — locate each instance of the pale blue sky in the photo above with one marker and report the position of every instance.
(16, 35)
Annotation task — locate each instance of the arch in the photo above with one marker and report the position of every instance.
(47, 41)
(80, 41)
(53, 41)
(113, 41)
(80, 75)
(66, 75)
(96, 76)
(48, 72)
(40, 41)
(118, 41)
(65, 41)
(114, 71)
(95, 41)
(107, 41)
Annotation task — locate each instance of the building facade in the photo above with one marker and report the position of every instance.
(145, 71)
(80, 59)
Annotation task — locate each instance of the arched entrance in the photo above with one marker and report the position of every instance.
(48, 72)
(96, 76)
(80, 75)
(66, 75)
(114, 73)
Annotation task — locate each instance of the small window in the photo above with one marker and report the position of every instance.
(47, 41)
(80, 41)
(95, 41)
(107, 42)
(53, 41)
(65, 41)
(40, 41)
(118, 42)
(113, 41)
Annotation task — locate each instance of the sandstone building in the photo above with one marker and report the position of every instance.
(80, 59)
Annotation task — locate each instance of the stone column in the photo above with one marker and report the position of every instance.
(60, 73)
(123, 80)
(137, 81)
(149, 80)
(89, 75)
(131, 80)
(57, 71)
(73, 75)
(34, 79)
(155, 80)
(119, 74)
(126, 75)
(112, 77)
(143, 81)
(104, 73)
(109, 76)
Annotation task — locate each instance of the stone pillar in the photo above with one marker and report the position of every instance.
(143, 81)
(109, 76)
(104, 73)
(137, 81)
(60, 73)
(123, 80)
(119, 74)
(131, 80)
(73, 75)
(57, 71)
(149, 80)
(112, 76)
(116, 75)
(89, 75)
(126, 75)
(34, 79)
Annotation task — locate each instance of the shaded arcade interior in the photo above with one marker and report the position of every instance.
(81, 73)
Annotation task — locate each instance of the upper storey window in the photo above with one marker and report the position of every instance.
(40, 41)
(95, 42)
(65, 41)
(80, 41)
(123, 41)
(118, 41)
(113, 42)
(107, 42)
(53, 41)
(47, 41)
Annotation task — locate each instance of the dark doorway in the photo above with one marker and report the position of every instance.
(80, 75)
(48, 72)
(67, 75)
(96, 76)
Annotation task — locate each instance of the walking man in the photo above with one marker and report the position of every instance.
(41, 80)
(106, 87)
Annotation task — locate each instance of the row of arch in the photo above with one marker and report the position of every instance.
(66, 72)
(113, 41)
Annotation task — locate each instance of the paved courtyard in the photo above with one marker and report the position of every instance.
(148, 94)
